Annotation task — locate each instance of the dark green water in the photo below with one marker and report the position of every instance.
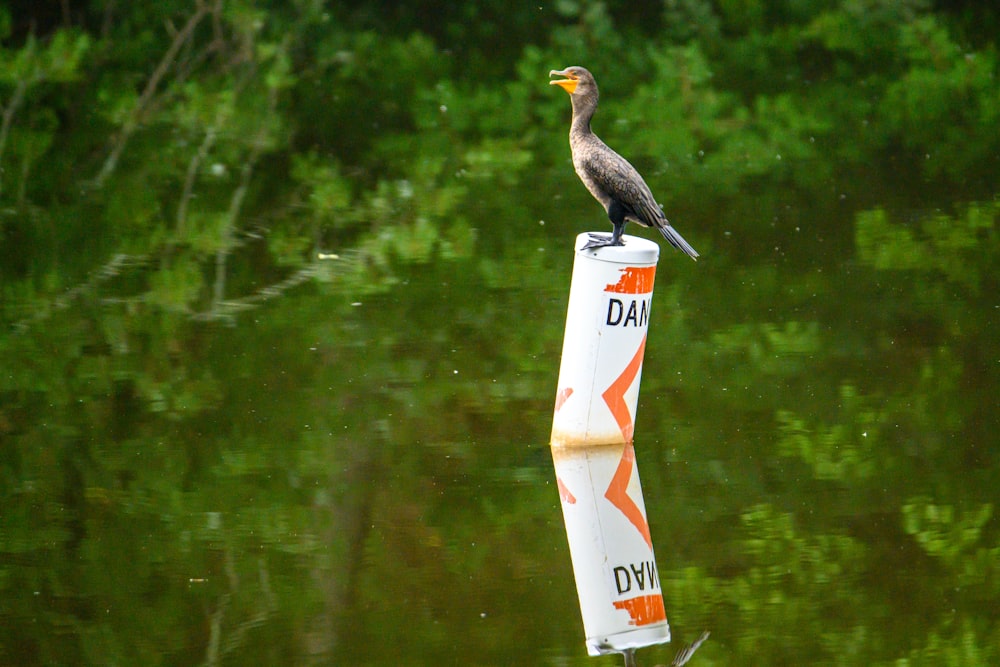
(363, 478)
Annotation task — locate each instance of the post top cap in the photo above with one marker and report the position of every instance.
(636, 250)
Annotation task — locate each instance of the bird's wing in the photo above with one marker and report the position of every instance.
(614, 178)
(620, 180)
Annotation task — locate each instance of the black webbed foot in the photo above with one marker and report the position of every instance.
(601, 241)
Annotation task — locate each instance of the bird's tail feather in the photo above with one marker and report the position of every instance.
(677, 241)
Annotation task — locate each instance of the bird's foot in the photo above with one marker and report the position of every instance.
(601, 241)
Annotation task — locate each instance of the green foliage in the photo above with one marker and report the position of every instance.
(28, 128)
(845, 451)
(940, 533)
(940, 109)
(955, 647)
(948, 246)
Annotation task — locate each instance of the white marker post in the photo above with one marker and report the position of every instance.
(613, 562)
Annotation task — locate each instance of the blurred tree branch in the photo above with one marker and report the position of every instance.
(202, 9)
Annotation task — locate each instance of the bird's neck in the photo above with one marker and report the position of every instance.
(583, 111)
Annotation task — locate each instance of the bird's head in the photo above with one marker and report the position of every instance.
(576, 81)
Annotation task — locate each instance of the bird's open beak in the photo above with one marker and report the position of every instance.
(568, 84)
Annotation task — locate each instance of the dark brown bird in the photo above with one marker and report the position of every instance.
(609, 177)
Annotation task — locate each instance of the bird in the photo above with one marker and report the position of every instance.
(608, 176)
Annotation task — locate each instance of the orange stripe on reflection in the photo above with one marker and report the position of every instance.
(617, 494)
(644, 609)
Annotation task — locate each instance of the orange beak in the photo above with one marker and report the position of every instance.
(568, 84)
